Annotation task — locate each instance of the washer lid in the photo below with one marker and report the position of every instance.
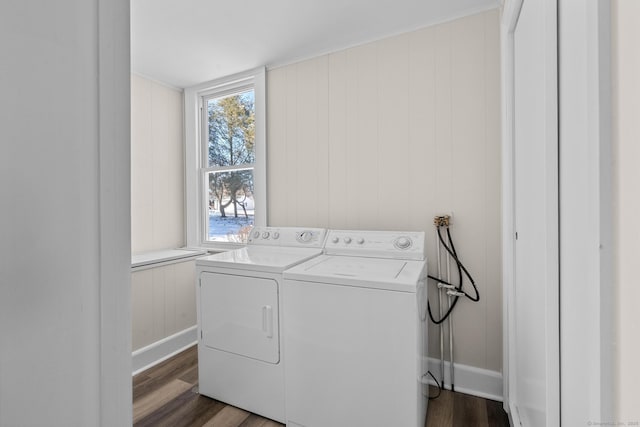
(259, 258)
(376, 273)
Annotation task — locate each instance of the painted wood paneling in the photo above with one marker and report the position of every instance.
(338, 197)
(157, 166)
(388, 134)
(626, 157)
(163, 302)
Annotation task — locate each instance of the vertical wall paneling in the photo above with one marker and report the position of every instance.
(394, 196)
(277, 148)
(468, 178)
(184, 300)
(163, 302)
(291, 147)
(163, 298)
(421, 163)
(307, 143)
(322, 93)
(353, 158)
(157, 171)
(365, 173)
(338, 116)
(142, 305)
(388, 134)
(626, 157)
(141, 166)
(493, 217)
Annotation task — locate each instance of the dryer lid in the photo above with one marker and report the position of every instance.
(259, 258)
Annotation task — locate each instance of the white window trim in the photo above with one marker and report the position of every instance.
(194, 190)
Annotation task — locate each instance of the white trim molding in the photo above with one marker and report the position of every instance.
(159, 351)
(510, 14)
(114, 198)
(540, 26)
(586, 276)
(469, 379)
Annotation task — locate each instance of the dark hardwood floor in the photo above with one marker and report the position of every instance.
(167, 395)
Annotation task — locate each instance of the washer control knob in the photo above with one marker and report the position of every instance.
(256, 234)
(304, 236)
(276, 235)
(347, 240)
(335, 240)
(265, 235)
(402, 242)
(360, 241)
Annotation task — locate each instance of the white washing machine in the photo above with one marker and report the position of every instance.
(240, 358)
(356, 333)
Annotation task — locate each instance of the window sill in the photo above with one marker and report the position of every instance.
(151, 259)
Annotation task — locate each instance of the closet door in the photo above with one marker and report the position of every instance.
(534, 392)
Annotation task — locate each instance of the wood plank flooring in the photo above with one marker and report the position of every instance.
(167, 395)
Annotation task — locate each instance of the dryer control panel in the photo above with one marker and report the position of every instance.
(379, 244)
(287, 236)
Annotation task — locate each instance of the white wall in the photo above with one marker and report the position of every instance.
(388, 134)
(626, 134)
(157, 166)
(64, 226)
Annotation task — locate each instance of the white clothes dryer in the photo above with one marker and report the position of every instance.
(356, 333)
(240, 357)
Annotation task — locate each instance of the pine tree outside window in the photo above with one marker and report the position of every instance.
(230, 135)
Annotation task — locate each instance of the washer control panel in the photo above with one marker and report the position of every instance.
(379, 244)
(287, 236)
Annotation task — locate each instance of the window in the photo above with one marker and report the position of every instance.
(225, 160)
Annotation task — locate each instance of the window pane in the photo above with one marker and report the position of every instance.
(231, 205)
(231, 127)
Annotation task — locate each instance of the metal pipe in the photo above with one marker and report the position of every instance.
(438, 257)
(449, 323)
(451, 347)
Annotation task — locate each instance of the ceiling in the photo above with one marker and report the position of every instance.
(186, 42)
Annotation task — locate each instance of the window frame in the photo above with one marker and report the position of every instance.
(196, 165)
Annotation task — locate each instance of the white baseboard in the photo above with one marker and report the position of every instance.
(470, 380)
(514, 416)
(160, 351)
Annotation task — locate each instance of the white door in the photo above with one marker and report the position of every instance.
(239, 315)
(534, 333)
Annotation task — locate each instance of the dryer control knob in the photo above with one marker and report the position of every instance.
(276, 235)
(265, 235)
(402, 243)
(335, 240)
(360, 241)
(347, 240)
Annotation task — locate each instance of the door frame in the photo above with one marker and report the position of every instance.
(586, 306)
(510, 17)
(586, 234)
